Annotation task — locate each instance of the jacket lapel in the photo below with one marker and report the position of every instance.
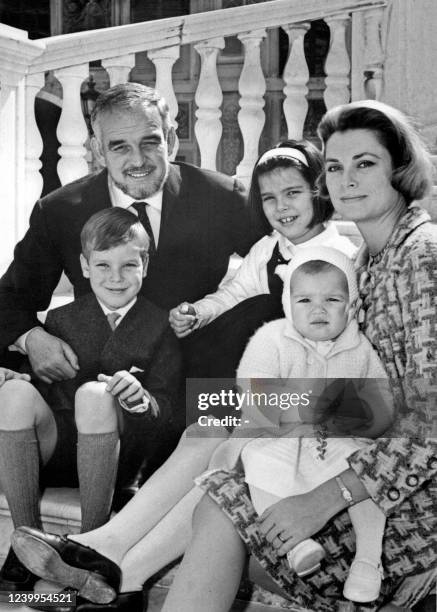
(170, 200)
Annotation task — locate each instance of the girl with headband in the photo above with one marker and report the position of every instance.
(285, 208)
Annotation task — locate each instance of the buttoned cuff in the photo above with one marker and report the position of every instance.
(20, 343)
(392, 470)
(146, 404)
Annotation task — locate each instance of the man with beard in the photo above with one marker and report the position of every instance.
(195, 220)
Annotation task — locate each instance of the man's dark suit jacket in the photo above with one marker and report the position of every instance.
(203, 222)
(143, 340)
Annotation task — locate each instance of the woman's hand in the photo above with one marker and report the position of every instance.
(292, 520)
(7, 374)
(182, 319)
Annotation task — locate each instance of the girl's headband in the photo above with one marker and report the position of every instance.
(284, 152)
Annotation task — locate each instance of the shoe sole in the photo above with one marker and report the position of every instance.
(44, 561)
(360, 597)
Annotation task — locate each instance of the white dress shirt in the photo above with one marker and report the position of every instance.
(153, 210)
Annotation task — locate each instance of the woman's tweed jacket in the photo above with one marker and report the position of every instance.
(399, 317)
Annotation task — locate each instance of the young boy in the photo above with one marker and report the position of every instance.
(128, 370)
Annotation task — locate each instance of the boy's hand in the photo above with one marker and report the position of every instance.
(182, 319)
(51, 358)
(123, 385)
(6, 374)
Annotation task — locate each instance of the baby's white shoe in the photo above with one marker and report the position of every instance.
(305, 557)
(364, 581)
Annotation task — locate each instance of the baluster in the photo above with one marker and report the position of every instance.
(296, 75)
(208, 127)
(118, 68)
(373, 53)
(337, 65)
(72, 131)
(251, 87)
(164, 59)
(11, 163)
(34, 143)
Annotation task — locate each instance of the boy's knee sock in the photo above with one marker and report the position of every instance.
(368, 522)
(97, 461)
(19, 475)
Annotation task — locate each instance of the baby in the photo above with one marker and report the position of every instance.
(318, 340)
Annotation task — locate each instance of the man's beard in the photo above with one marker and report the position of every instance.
(144, 190)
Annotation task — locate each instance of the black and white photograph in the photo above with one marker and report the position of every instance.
(218, 317)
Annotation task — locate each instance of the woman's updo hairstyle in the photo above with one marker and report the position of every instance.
(310, 171)
(412, 167)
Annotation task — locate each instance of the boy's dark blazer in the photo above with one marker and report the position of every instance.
(203, 221)
(143, 340)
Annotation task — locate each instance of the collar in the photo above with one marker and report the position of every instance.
(121, 199)
(121, 311)
(288, 248)
(413, 217)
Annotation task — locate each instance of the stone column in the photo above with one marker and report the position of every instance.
(72, 131)
(373, 53)
(251, 87)
(118, 68)
(296, 75)
(164, 60)
(209, 97)
(337, 65)
(33, 142)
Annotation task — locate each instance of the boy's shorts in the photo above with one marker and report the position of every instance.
(61, 468)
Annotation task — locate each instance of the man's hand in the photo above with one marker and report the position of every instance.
(6, 374)
(51, 359)
(123, 385)
(182, 319)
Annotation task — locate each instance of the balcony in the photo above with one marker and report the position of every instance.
(357, 66)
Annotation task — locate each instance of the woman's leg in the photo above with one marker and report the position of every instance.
(212, 567)
(164, 489)
(164, 543)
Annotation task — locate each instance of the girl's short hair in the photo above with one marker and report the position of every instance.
(110, 228)
(412, 167)
(322, 208)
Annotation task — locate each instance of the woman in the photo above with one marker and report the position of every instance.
(155, 527)
(375, 168)
(288, 213)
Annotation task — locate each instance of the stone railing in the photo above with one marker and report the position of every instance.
(24, 64)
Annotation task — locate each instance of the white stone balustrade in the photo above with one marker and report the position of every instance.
(208, 127)
(72, 131)
(33, 143)
(337, 65)
(164, 60)
(251, 86)
(119, 67)
(373, 53)
(296, 75)
(24, 62)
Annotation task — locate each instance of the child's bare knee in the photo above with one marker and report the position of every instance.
(92, 391)
(18, 401)
(94, 407)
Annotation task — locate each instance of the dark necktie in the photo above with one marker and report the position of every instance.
(140, 207)
(112, 318)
